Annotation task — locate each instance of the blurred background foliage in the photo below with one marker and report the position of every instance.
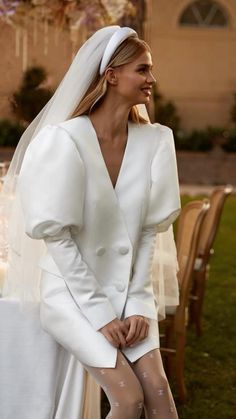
(31, 97)
(166, 113)
(33, 94)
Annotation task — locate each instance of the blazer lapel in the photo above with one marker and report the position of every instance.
(126, 198)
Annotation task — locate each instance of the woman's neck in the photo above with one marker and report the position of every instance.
(110, 120)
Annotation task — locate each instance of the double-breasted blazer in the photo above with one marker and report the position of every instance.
(100, 239)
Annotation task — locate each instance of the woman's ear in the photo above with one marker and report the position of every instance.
(110, 75)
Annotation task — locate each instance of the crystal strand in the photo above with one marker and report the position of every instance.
(35, 29)
(45, 36)
(56, 36)
(17, 41)
(25, 50)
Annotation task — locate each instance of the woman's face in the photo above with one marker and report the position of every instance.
(134, 81)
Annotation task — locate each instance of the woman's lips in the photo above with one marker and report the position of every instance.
(147, 91)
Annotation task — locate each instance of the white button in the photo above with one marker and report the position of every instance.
(100, 251)
(120, 287)
(123, 250)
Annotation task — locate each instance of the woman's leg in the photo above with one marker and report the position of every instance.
(122, 388)
(158, 399)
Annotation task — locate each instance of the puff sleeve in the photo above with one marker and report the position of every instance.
(163, 207)
(52, 191)
(164, 199)
(51, 184)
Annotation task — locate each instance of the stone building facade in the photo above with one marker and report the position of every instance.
(195, 63)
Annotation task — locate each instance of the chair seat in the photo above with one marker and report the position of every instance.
(170, 309)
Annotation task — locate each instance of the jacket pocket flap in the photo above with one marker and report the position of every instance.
(46, 263)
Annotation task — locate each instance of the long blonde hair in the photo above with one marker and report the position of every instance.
(130, 49)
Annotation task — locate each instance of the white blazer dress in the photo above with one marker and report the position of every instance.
(99, 239)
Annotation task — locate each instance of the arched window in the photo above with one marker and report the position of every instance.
(204, 13)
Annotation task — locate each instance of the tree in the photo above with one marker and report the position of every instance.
(165, 111)
(233, 110)
(31, 97)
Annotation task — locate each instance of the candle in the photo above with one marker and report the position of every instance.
(3, 270)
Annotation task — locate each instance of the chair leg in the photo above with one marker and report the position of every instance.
(169, 336)
(201, 280)
(179, 367)
(193, 304)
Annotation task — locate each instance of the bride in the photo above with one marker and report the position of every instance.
(95, 182)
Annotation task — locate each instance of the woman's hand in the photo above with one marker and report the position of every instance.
(138, 329)
(115, 332)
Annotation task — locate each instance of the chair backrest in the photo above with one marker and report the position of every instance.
(212, 221)
(187, 240)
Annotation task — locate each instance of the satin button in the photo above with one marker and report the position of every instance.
(123, 250)
(120, 287)
(100, 251)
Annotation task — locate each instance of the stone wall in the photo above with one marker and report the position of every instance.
(215, 168)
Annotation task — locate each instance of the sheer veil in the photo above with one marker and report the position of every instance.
(23, 275)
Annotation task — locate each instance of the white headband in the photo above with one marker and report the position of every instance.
(117, 38)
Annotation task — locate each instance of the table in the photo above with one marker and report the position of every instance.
(38, 378)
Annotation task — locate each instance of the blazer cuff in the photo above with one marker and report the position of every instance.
(135, 306)
(100, 315)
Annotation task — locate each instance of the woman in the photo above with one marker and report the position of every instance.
(97, 187)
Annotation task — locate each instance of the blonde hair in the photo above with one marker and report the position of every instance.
(129, 50)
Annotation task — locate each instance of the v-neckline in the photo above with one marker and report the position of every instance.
(103, 160)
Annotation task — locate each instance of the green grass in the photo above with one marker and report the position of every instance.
(210, 363)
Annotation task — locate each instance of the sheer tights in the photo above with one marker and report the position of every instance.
(130, 386)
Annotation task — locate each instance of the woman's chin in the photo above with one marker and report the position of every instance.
(144, 100)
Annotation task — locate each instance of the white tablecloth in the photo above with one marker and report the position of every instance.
(38, 378)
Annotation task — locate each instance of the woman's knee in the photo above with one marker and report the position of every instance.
(159, 384)
(132, 399)
(130, 405)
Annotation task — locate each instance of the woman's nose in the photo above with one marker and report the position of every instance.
(151, 78)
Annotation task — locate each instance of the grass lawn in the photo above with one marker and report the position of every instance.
(210, 367)
(210, 362)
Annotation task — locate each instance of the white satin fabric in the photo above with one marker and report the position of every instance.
(100, 240)
(39, 379)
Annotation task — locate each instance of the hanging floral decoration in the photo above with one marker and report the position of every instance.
(80, 17)
(66, 13)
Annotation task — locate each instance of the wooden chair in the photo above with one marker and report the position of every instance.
(173, 327)
(205, 249)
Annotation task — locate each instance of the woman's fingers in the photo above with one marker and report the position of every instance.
(136, 337)
(122, 333)
(131, 333)
(125, 327)
(115, 332)
(141, 331)
(112, 339)
(121, 338)
(139, 327)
